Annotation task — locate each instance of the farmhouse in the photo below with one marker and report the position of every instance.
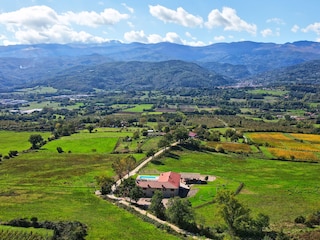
(168, 183)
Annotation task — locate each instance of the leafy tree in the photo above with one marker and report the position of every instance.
(150, 152)
(181, 134)
(215, 136)
(129, 188)
(135, 193)
(237, 217)
(59, 149)
(129, 163)
(234, 214)
(105, 183)
(136, 135)
(163, 143)
(157, 206)
(124, 165)
(180, 212)
(36, 140)
(90, 128)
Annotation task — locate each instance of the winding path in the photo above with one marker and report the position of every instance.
(141, 165)
(144, 212)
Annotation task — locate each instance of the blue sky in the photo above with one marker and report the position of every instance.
(189, 22)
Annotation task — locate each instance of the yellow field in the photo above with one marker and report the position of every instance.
(273, 139)
(289, 146)
(293, 155)
(312, 138)
(280, 140)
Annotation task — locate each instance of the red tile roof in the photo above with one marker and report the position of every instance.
(169, 180)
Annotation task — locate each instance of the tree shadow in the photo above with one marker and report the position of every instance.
(172, 155)
(176, 148)
(157, 162)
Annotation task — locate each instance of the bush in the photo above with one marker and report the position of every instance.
(13, 153)
(313, 219)
(300, 219)
(59, 149)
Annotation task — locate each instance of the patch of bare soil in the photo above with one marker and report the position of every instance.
(192, 192)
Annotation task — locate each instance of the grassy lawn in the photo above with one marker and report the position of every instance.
(17, 140)
(273, 92)
(52, 186)
(139, 108)
(33, 105)
(37, 231)
(84, 142)
(283, 190)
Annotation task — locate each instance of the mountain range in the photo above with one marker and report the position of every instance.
(115, 65)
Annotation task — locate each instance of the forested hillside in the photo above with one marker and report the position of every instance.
(113, 65)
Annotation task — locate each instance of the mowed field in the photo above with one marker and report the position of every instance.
(285, 146)
(85, 142)
(53, 186)
(17, 141)
(281, 189)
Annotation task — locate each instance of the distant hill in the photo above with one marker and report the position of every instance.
(137, 76)
(146, 65)
(307, 73)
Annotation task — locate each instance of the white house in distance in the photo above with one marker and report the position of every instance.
(168, 183)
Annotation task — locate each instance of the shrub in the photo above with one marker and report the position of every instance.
(300, 219)
(59, 149)
(13, 153)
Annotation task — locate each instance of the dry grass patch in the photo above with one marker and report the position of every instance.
(293, 155)
(312, 138)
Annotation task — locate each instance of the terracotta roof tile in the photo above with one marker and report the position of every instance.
(169, 180)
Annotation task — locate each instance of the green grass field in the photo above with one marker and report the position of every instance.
(17, 140)
(84, 142)
(16, 231)
(273, 92)
(139, 108)
(52, 186)
(283, 190)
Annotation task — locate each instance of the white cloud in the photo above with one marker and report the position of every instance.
(295, 28)
(36, 17)
(41, 24)
(92, 19)
(130, 9)
(277, 21)
(130, 24)
(180, 16)
(136, 36)
(189, 35)
(219, 38)
(315, 27)
(229, 20)
(266, 32)
(140, 36)
(173, 38)
(154, 38)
